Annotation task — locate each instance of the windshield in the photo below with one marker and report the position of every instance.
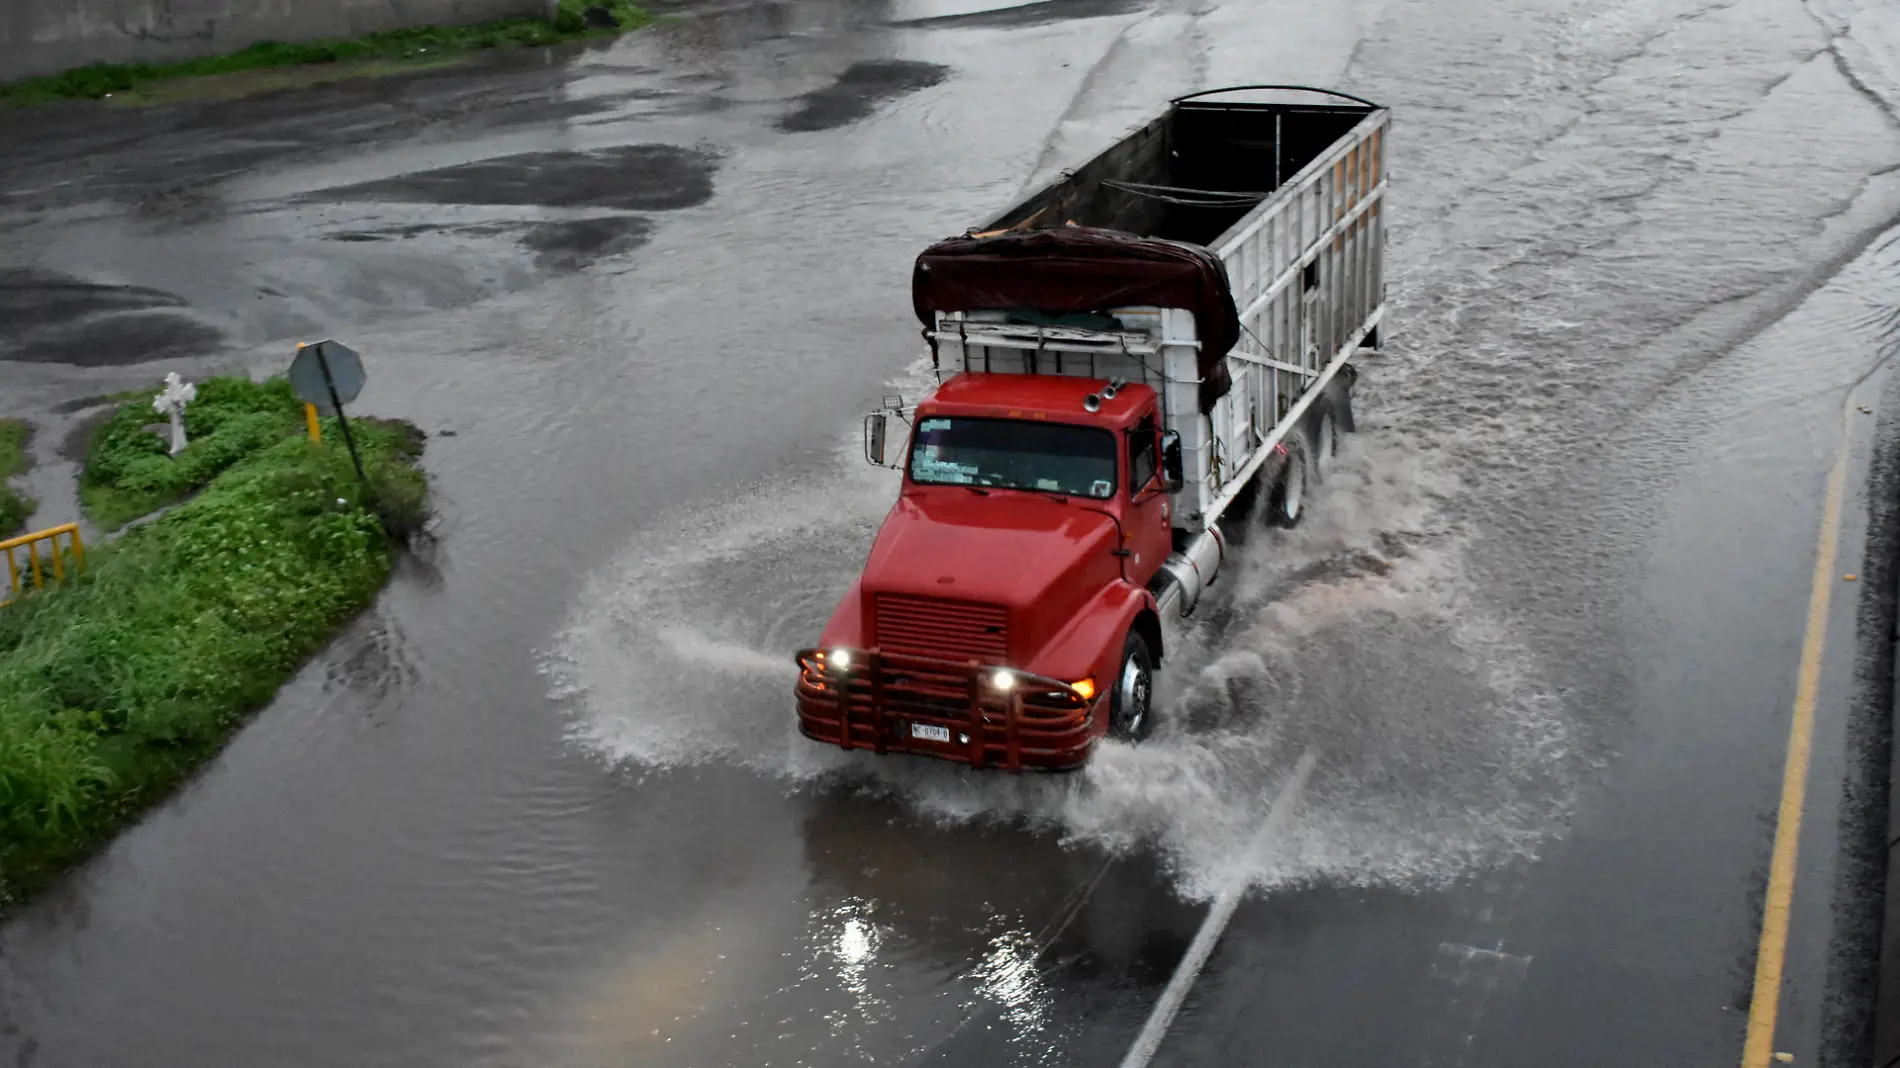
(1014, 454)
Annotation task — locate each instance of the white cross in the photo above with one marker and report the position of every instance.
(171, 401)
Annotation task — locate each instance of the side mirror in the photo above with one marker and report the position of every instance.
(874, 437)
(1171, 477)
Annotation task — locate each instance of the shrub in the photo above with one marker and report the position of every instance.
(128, 473)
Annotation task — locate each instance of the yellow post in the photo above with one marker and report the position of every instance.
(79, 551)
(310, 420)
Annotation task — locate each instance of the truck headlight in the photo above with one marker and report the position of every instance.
(1084, 688)
(1003, 679)
(839, 660)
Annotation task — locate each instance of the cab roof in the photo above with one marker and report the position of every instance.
(1057, 398)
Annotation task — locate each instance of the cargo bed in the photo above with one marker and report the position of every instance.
(1253, 232)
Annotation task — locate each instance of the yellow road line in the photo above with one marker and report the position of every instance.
(1759, 1047)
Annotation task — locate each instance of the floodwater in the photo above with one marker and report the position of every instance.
(544, 804)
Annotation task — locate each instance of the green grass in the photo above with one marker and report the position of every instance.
(421, 44)
(114, 687)
(15, 507)
(128, 473)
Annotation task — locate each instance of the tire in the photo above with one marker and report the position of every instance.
(1325, 445)
(1291, 490)
(1131, 700)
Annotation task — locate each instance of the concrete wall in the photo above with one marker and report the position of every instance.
(48, 36)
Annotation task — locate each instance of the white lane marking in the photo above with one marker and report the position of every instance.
(1185, 973)
(1469, 955)
(1476, 977)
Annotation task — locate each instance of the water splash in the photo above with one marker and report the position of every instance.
(1354, 635)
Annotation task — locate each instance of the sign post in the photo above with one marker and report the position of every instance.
(326, 376)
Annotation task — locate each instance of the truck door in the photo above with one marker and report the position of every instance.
(1150, 536)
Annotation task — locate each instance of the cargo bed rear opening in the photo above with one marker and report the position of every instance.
(1213, 148)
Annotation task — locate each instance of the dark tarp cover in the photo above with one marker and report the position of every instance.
(1082, 269)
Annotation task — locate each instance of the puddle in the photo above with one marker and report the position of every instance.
(630, 177)
(576, 243)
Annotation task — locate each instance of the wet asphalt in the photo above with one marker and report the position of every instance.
(544, 805)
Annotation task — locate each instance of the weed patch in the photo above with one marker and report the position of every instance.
(14, 506)
(420, 44)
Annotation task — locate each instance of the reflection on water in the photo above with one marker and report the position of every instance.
(1006, 975)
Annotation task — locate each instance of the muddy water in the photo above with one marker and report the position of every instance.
(544, 804)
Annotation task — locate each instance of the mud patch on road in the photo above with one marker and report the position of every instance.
(34, 300)
(575, 243)
(1035, 14)
(117, 340)
(629, 177)
(57, 318)
(858, 91)
(388, 233)
(414, 230)
(561, 244)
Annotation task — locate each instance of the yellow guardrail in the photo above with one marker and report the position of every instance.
(24, 566)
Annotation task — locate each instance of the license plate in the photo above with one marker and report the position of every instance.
(929, 733)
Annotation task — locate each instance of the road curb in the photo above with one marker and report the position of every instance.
(1880, 557)
(1887, 999)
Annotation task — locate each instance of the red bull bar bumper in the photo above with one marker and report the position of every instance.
(967, 712)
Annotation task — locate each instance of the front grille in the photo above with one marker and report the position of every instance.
(947, 630)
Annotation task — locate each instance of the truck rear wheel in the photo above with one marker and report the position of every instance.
(1325, 445)
(1130, 716)
(1289, 493)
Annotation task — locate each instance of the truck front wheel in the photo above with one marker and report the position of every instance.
(1130, 717)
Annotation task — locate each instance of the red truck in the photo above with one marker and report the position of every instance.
(1154, 343)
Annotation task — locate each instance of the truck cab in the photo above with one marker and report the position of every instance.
(1004, 615)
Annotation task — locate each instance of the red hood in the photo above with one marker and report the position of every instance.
(1040, 557)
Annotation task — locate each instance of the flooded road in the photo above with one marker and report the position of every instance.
(545, 804)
